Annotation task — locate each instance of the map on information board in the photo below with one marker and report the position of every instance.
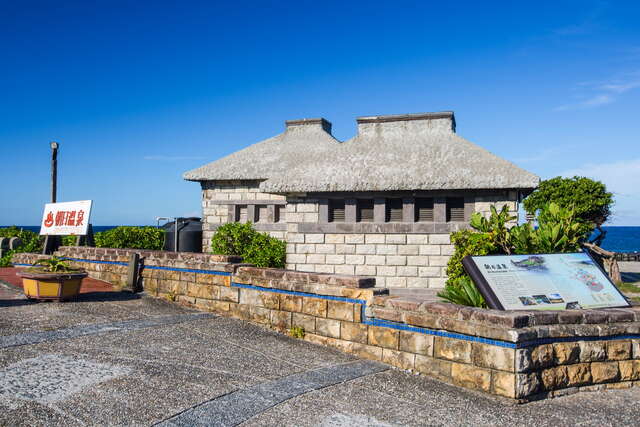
(542, 282)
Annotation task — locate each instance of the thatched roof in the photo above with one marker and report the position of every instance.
(407, 152)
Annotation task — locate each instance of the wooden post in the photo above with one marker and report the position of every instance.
(87, 240)
(132, 273)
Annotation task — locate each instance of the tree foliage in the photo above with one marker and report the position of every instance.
(589, 199)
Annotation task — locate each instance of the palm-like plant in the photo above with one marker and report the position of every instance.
(53, 265)
(463, 292)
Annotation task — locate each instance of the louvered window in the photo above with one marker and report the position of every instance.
(394, 210)
(455, 209)
(241, 213)
(365, 211)
(262, 213)
(279, 213)
(424, 210)
(336, 210)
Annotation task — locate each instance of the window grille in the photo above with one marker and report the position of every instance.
(423, 210)
(394, 210)
(365, 211)
(455, 209)
(241, 213)
(336, 210)
(279, 213)
(262, 213)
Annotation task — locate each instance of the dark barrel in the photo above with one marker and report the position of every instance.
(189, 235)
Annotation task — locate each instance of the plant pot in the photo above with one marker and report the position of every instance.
(52, 286)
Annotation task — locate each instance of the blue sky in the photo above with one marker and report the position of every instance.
(139, 92)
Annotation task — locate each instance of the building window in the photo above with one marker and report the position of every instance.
(241, 213)
(455, 209)
(279, 213)
(393, 211)
(364, 212)
(423, 210)
(336, 210)
(262, 213)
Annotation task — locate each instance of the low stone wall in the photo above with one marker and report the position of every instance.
(519, 355)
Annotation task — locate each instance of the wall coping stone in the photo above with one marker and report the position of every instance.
(513, 326)
(149, 254)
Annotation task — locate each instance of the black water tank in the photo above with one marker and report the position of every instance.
(189, 235)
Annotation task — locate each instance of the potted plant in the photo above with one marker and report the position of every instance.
(52, 279)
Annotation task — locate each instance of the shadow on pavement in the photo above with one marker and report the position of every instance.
(86, 297)
(15, 302)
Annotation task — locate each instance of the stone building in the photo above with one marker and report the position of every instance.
(381, 204)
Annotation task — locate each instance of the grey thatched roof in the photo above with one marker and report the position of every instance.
(407, 152)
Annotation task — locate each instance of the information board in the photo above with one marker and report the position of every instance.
(542, 282)
(65, 219)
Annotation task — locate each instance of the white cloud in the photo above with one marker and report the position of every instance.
(172, 158)
(621, 178)
(603, 93)
(592, 102)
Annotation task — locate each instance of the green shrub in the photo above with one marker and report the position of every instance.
(127, 237)
(589, 199)
(467, 242)
(254, 247)
(266, 251)
(68, 240)
(464, 292)
(232, 238)
(31, 242)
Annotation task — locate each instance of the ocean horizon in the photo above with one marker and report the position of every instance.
(618, 239)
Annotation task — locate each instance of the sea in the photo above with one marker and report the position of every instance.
(619, 238)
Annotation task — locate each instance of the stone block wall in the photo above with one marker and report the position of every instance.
(396, 256)
(400, 255)
(219, 201)
(521, 355)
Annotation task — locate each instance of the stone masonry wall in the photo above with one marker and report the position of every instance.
(219, 199)
(521, 355)
(395, 259)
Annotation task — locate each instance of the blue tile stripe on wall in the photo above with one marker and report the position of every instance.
(371, 320)
(378, 322)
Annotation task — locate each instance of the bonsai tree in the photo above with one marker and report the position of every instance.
(589, 199)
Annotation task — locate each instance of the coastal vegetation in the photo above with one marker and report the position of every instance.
(558, 231)
(31, 242)
(589, 199)
(128, 237)
(254, 247)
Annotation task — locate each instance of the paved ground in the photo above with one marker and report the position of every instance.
(8, 275)
(116, 359)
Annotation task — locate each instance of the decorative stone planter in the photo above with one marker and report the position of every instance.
(52, 286)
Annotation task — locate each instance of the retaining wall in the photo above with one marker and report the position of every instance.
(519, 355)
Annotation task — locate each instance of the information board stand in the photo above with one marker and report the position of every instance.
(543, 282)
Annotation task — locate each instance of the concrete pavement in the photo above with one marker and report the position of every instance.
(120, 359)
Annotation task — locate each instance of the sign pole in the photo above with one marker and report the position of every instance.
(54, 170)
(51, 243)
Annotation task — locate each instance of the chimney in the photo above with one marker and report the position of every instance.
(443, 121)
(309, 124)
